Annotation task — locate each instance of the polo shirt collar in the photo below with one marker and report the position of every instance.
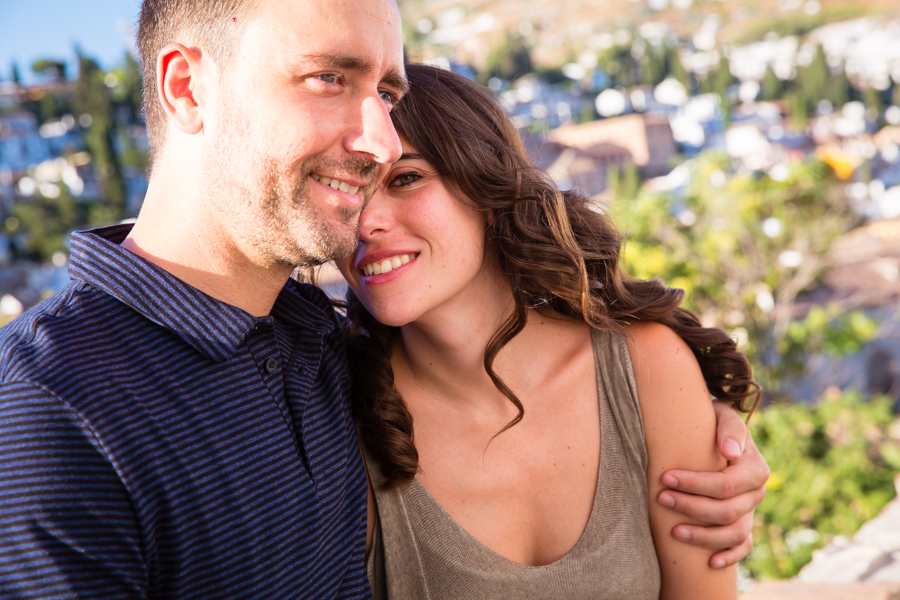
(214, 328)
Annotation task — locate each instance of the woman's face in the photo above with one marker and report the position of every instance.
(420, 249)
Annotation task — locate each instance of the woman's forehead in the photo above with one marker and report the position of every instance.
(407, 146)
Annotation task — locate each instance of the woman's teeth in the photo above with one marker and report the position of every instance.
(388, 264)
(337, 184)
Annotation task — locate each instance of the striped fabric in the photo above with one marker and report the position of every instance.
(158, 443)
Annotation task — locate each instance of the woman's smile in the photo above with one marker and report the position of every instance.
(385, 266)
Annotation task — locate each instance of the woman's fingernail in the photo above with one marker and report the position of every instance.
(667, 500)
(718, 563)
(682, 534)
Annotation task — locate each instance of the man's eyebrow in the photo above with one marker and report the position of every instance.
(393, 78)
(342, 61)
(396, 80)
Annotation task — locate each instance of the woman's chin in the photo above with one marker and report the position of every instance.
(387, 315)
(392, 320)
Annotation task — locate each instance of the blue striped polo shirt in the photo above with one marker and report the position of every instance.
(158, 443)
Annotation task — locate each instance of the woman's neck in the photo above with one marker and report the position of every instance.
(440, 357)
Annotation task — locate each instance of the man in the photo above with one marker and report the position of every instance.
(174, 423)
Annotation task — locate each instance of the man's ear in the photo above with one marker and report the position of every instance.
(177, 73)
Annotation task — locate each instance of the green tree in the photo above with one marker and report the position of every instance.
(874, 102)
(654, 64)
(838, 87)
(45, 223)
(675, 67)
(128, 92)
(53, 69)
(744, 251)
(717, 82)
(92, 97)
(833, 465)
(623, 182)
(772, 86)
(618, 62)
(49, 104)
(797, 108)
(16, 77)
(510, 60)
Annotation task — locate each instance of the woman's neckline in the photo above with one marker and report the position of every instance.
(591, 522)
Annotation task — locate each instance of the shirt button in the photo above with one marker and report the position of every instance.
(271, 365)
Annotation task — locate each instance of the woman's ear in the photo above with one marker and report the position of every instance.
(178, 72)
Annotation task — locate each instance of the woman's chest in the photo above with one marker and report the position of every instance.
(526, 494)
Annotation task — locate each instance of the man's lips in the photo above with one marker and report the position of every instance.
(346, 185)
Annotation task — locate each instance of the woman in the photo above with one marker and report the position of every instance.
(518, 396)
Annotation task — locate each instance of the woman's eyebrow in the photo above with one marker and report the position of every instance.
(409, 156)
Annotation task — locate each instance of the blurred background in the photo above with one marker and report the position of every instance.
(749, 148)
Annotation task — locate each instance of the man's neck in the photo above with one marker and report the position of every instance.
(172, 233)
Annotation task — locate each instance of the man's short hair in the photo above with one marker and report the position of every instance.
(213, 25)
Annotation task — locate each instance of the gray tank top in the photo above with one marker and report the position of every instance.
(420, 552)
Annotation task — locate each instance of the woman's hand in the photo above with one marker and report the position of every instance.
(725, 499)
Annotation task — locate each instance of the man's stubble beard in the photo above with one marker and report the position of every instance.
(267, 200)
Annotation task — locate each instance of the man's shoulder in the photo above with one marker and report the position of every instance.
(36, 345)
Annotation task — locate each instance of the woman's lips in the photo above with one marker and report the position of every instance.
(386, 267)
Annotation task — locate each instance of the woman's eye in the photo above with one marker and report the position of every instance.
(404, 179)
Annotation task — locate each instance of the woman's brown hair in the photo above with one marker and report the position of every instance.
(552, 247)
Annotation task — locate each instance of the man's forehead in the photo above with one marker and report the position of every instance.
(349, 12)
(364, 35)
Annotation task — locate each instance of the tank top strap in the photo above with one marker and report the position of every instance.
(620, 411)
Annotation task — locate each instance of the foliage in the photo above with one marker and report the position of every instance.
(510, 60)
(44, 225)
(816, 82)
(623, 181)
(825, 329)
(128, 93)
(92, 97)
(619, 63)
(833, 465)
(717, 82)
(54, 69)
(742, 250)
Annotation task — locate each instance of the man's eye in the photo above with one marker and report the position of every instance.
(329, 77)
(389, 98)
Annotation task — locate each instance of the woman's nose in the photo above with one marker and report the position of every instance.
(376, 217)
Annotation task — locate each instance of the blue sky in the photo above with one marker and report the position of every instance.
(33, 29)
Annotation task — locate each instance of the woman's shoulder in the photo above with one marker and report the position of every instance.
(659, 349)
(675, 403)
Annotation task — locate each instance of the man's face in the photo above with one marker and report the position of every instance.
(301, 126)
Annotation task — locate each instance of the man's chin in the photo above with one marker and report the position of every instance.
(339, 242)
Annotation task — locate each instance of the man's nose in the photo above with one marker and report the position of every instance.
(376, 136)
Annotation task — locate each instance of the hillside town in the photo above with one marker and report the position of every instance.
(638, 105)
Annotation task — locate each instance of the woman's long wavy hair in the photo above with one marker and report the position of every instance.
(552, 247)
